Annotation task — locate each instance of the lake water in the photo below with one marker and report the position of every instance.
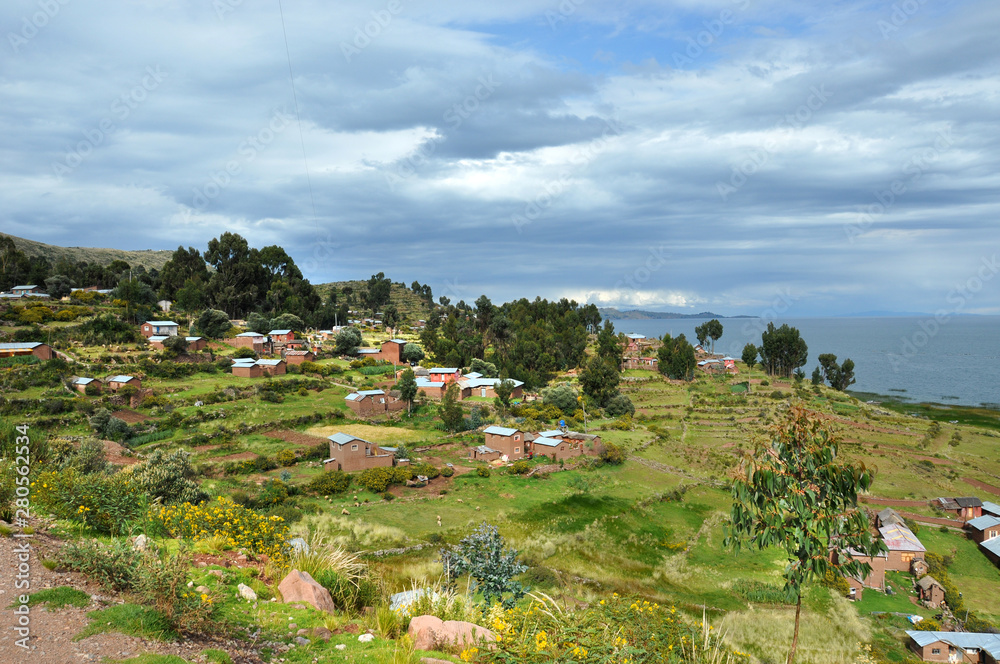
(956, 361)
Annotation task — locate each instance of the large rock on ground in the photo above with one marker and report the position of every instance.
(301, 587)
(428, 632)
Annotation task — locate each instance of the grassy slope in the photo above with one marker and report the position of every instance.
(148, 258)
(409, 305)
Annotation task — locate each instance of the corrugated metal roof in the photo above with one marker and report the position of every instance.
(983, 522)
(157, 338)
(992, 508)
(250, 334)
(500, 431)
(20, 345)
(161, 323)
(482, 449)
(279, 332)
(899, 538)
(965, 640)
(992, 545)
(369, 351)
(548, 442)
(398, 341)
(24, 287)
(83, 381)
(120, 379)
(443, 370)
(969, 501)
(269, 363)
(192, 338)
(550, 433)
(343, 438)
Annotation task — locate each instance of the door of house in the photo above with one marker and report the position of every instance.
(483, 394)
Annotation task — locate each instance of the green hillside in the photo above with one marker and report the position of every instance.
(148, 258)
(409, 305)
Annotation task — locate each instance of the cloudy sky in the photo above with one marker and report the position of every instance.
(681, 155)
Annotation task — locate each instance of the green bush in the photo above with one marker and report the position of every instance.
(837, 582)
(114, 566)
(330, 483)
(613, 454)
(520, 467)
(425, 469)
(760, 592)
(447, 471)
(483, 471)
(107, 504)
(285, 457)
(376, 480)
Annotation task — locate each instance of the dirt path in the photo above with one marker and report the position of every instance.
(995, 490)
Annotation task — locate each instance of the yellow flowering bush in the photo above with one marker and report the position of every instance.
(614, 630)
(105, 503)
(240, 527)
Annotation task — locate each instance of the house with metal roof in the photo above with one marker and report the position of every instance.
(350, 453)
(991, 549)
(983, 528)
(25, 348)
(964, 647)
(483, 453)
(30, 289)
(80, 384)
(903, 546)
(486, 387)
(965, 508)
(889, 516)
(165, 328)
(281, 336)
(367, 403)
(510, 443)
(115, 383)
(991, 508)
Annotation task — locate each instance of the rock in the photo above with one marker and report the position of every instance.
(215, 572)
(365, 638)
(246, 592)
(201, 563)
(321, 633)
(299, 545)
(344, 511)
(301, 640)
(302, 632)
(141, 543)
(428, 632)
(293, 625)
(301, 587)
(190, 584)
(201, 589)
(340, 646)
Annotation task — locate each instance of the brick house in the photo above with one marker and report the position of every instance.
(156, 342)
(299, 356)
(273, 367)
(373, 402)
(115, 383)
(889, 516)
(509, 443)
(633, 342)
(431, 389)
(903, 546)
(159, 328)
(255, 340)
(645, 363)
(30, 289)
(483, 453)
(875, 578)
(965, 508)
(349, 453)
(196, 343)
(80, 384)
(991, 508)
(281, 336)
(930, 591)
(25, 348)
(983, 528)
(444, 375)
(955, 647)
(991, 549)
(556, 444)
(474, 386)
(392, 351)
(247, 368)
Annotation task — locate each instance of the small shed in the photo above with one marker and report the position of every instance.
(930, 591)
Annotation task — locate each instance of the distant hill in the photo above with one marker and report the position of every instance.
(148, 258)
(637, 314)
(408, 304)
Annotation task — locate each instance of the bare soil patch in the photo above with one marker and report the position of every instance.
(241, 456)
(130, 416)
(296, 437)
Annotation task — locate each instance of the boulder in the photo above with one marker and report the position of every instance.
(141, 543)
(365, 638)
(301, 587)
(246, 592)
(299, 545)
(400, 602)
(428, 632)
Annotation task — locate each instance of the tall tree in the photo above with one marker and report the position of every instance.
(793, 494)
(782, 350)
(503, 390)
(840, 376)
(14, 264)
(407, 387)
(609, 346)
(184, 264)
(600, 380)
(377, 292)
(749, 356)
(714, 329)
(212, 323)
(347, 341)
(676, 358)
(450, 409)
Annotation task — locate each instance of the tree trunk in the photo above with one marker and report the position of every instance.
(795, 636)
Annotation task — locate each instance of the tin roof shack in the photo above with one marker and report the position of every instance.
(369, 403)
(903, 545)
(272, 367)
(991, 549)
(253, 340)
(350, 454)
(645, 363)
(875, 578)
(159, 328)
(25, 348)
(431, 389)
(983, 528)
(555, 444)
(299, 356)
(483, 453)
(196, 343)
(80, 384)
(473, 385)
(509, 443)
(931, 592)
(247, 368)
(957, 647)
(991, 508)
(889, 516)
(115, 383)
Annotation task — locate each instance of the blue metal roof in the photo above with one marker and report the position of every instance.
(120, 379)
(500, 431)
(20, 345)
(983, 522)
(965, 640)
(162, 323)
(343, 438)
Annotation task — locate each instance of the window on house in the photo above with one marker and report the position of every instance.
(517, 450)
(354, 448)
(935, 651)
(906, 557)
(517, 438)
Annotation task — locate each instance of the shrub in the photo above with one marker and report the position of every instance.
(285, 457)
(240, 526)
(114, 566)
(375, 480)
(836, 582)
(162, 583)
(619, 405)
(106, 504)
(330, 483)
(520, 467)
(483, 471)
(447, 471)
(613, 454)
(425, 469)
(167, 476)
